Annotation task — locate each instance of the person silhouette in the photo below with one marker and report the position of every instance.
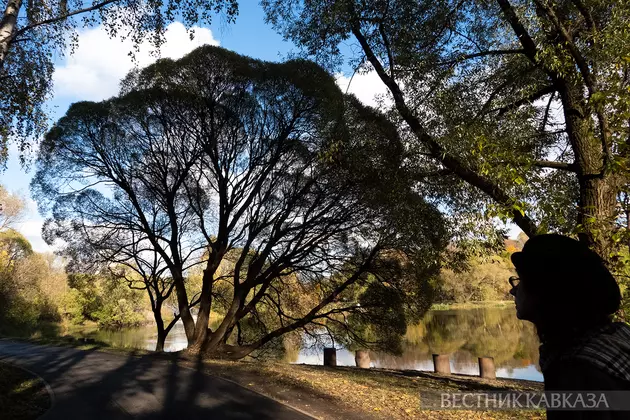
(565, 289)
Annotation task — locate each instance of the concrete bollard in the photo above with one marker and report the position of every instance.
(441, 364)
(362, 359)
(330, 356)
(486, 368)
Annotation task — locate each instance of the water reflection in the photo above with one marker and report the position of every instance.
(137, 338)
(464, 334)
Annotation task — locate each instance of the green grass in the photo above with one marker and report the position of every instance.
(41, 329)
(22, 395)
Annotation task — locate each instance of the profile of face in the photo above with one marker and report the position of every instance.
(527, 303)
(561, 283)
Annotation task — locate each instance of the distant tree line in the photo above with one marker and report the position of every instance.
(483, 278)
(35, 288)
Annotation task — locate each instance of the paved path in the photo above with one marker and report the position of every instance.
(93, 385)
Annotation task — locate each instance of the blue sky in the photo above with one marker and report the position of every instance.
(93, 73)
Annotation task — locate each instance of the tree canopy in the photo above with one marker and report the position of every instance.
(522, 106)
(217, 154)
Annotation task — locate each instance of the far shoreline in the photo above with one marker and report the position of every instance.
(472, 305)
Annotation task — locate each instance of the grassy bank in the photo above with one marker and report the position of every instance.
(472, 305)
(22, 395)
(46, 329)
(352, 393)
(83, 344)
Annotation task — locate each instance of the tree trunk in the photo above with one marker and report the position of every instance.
(205, 306)
(159, 323)
(184, 309)
(7, 27)
(211, 343)
(161, 338)
(597, 187)
(597, 212)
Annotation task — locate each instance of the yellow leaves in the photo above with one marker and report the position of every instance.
(5, 260)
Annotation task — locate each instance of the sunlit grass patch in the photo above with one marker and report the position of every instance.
(472, 305)
(374, 392)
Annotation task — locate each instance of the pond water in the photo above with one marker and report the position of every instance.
(465, 334)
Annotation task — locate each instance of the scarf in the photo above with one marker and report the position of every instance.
(607, 347)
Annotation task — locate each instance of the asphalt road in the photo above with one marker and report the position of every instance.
(93, 385)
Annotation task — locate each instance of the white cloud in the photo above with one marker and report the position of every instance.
(32, 230)
(367, 87)
(94, 71)
(38, 244)
(31, 227)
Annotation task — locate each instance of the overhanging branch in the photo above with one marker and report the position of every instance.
(482, 54)
(458, 167)
(563, 166)
(63, 17)
(527, 99)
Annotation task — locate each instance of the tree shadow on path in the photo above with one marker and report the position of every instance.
(98, 385)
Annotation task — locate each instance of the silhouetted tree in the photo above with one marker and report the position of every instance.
(142, 204)
(110, 244)
(221, 152)
(142, 268)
